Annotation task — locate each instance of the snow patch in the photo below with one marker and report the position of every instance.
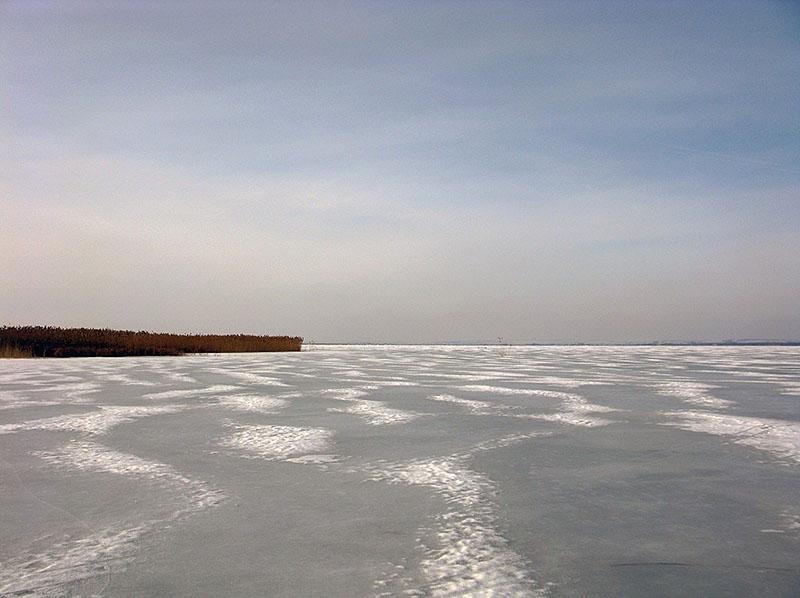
(175, 394)
(502, 390)
(375, 413)
(93, 457)
(777, 437)
(254, 403)
(473, 558)
(48, 574)
(577, 410)
(347, 394)
(695, 393)
(559, 381)
(55, 571)
(278, 442)
(95, 422)
(477, 407)
(249, 378)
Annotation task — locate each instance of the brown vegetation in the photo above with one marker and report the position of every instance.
(13, 352)
(50, 341)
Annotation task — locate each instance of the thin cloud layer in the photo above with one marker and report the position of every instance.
(402, 172)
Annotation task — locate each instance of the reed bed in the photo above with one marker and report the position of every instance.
(51, 341)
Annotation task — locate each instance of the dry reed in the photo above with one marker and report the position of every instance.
(51, 341)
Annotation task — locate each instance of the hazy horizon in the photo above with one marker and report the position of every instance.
(403, 172)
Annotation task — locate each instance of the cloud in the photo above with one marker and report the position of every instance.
(364, 172)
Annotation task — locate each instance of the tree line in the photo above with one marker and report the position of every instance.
(52, 341)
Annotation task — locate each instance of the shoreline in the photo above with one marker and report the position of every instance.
(49, 341)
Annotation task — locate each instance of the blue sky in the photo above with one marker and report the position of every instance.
(403, 171)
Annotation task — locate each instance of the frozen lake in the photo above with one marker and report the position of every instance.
(407, 471)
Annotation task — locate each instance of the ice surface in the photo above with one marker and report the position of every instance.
(64, 565)
(472, 558)
(57, 570)
(780, 438)
(403, 470)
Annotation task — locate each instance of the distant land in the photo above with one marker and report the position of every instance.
(51, 341)
(667, 343)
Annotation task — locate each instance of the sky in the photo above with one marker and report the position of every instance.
(403, 171)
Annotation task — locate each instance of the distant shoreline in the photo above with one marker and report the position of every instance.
(599, 344)
(51, 341)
